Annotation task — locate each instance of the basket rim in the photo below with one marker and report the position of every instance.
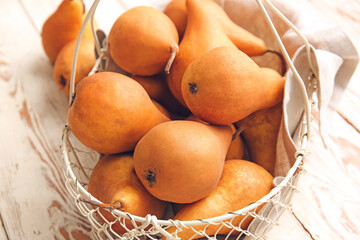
(299, 155)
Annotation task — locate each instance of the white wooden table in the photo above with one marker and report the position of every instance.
(34, 203)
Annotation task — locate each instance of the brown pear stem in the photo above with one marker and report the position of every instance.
(110, 206)
(237, 133)
(283, 63)
(171, 59)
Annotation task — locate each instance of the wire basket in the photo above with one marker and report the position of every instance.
(263, 213)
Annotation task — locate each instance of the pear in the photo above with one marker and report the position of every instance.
(182, 161)
(63, 26)
(63, 63)
(161, 109)
(237, 146)
(111, 112)
(242, 183)
(244, 40)
(142, 40)
(234, 88)
(203, 33)
(176, 11)
(159, 91)
(260, 133)
(113, 181)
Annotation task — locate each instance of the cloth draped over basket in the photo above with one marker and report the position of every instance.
(334, 57)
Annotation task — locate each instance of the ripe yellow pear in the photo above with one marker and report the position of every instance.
(260, 132)
(242, 182)
(234, 88)
(63, 63)
(111, 112)
(161, 109)
(158, 90)
(182, 161)
(63, 26)
(244, 40)
(176, 11)
(113, 180)
(237, 147)
(141, 41)
(203, 33)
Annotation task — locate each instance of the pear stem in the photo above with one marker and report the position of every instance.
(173, 51)
(110, 206)
(283, 63)
(237, 133)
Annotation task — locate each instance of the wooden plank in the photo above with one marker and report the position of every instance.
(288, 227)
(350, 103)
(344, 14)
(34, 202)
(328, 202)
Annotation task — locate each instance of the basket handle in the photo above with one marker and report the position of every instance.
(305, 135)
(306, 100)
(89, 15)
(287, 57)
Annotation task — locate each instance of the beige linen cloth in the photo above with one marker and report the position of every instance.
(334, 58)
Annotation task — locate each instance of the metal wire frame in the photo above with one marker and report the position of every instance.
(275, 201)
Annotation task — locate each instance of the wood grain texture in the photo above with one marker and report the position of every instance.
(3, 233)
(346, 14)
(288, 227)
(350, 102)
(34, 202)
(328, 203)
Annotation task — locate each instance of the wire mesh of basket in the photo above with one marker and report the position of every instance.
(258, 217)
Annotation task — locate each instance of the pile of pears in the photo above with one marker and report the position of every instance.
(59, 34)
(191, 122)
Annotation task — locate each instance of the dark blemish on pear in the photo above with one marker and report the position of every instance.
(150, 177)
(193, 88)
(62, 81)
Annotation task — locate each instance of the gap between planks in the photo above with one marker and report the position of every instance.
(3, 233)
(349, 121)
(303, 226)
(3, 229)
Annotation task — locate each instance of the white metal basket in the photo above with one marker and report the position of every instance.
(78, 165)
